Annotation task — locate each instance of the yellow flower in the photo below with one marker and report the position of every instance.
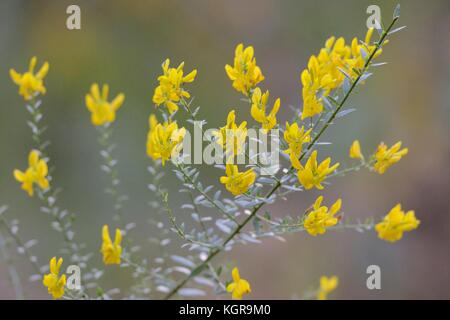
(327, 285)
(164, 140)
(295, 138)
(258, 110)
(55, 283)
(102, 111)
(111, 251)
(169, 91)
(237, 182)
(30, 83)
(232, 137)
(239, 286)
(355, 151)
(36, 172)
(311, 106)
(245, 74)
(387, 157)
(323, 75)
(313, 174)
(395, 223)
(324, 71)
(320, 218)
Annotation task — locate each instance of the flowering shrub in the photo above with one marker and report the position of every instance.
(329, 79)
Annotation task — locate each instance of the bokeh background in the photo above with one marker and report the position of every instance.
(124, 42)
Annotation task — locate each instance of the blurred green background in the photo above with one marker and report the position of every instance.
(124, 42)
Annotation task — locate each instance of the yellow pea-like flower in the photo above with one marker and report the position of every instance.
(320, 218)
(355, 151)
(395, 223)
(313, 174)
(244, 73)
(239, 286)
(387, 157)
(30, 83)
(164, 140)
(237, 182)
(311, 106)
(111, 251)
(231, 137)
(102, 111)
(53, 281)
(295, 138)
(258, 110)
(36, 173)
(170, 89)
(327, 285)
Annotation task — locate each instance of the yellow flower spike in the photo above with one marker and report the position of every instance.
(323, 73)
(170, 89)
(395, 223)
(30, 84)
(387, 157)
(239, 286)
(111, 251)
(295, 138)
(102, 111)
(258, 110)
(231, 137)
(164, 140)
(320, 218)
(313, 174)
(36, 173)
(245, 74)
(55, 283)
(237, 182)
(327, 285)
(355, 151)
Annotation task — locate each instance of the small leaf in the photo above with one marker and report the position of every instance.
(182, 260)
(396, 14)
(344, 112)
(378, 27)
(191, 292)
(396, 30)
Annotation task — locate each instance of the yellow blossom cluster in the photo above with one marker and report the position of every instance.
(295, 137)
(245, 74)
(30, 84)
(55, 282)
(325, 72)
(320, 218)
(170, 90)
(387, 157)
(395, 223)
(237, 182)
(231, 137)
(313, 174)
(102, 111)
(258, 110)
(164, 140)
(36, 173)
(383, 158)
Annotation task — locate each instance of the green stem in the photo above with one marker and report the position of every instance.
(110, 165)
